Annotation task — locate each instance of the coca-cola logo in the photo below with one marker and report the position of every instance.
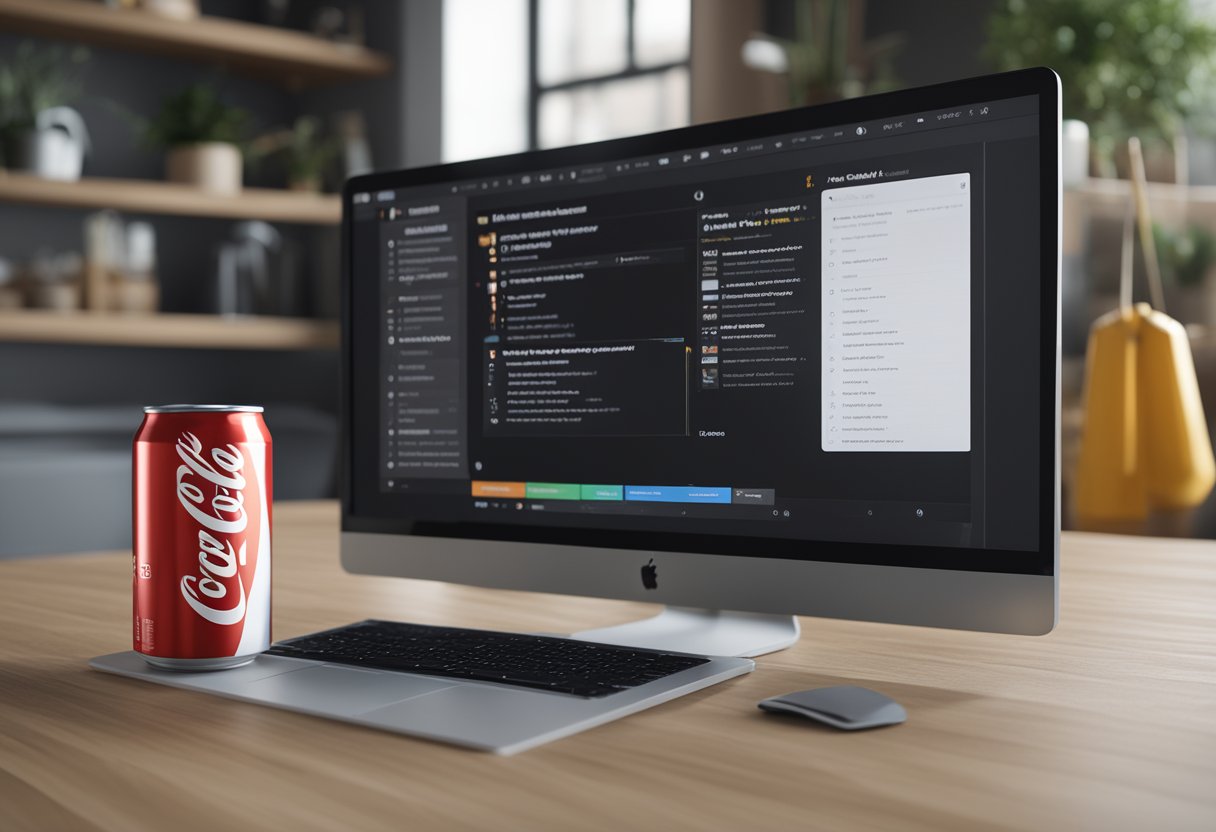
(222, 520)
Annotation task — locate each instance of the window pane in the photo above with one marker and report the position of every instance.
(660, 31)
(581, 38)
(614, 108)
(485, 78)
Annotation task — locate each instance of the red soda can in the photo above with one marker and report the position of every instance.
(202, 495)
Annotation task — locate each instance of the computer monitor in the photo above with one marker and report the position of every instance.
(800, 363)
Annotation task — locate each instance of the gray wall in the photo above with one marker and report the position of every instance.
(403, 109)
(85, 375)
(75, 462)
(120, 87)
(117, 86)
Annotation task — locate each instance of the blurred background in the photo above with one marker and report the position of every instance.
(168, 223)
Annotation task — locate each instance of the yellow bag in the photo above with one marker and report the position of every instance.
(1145, 442)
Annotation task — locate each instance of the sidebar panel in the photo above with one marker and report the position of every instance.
(422, 305)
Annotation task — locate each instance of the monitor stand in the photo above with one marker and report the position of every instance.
(708, 632)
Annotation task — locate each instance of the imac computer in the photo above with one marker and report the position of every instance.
(799, 363)
(803, 363)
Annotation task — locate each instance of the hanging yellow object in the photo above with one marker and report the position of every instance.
(1145, 442)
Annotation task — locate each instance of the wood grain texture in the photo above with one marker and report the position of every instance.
(1108, 723)
(168, 330)
(295, 59)
(148, 196)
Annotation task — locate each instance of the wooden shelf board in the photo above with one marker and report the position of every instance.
(287, 57)
(151, 197)
(167, 330)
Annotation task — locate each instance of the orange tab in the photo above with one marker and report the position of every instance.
(512, 490)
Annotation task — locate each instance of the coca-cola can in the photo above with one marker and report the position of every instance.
(202, 495)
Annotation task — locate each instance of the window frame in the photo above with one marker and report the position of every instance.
(537, 90)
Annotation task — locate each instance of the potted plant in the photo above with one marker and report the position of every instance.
(1187, 256)
(1129, 67)
(37, 131)
(303, 150)
(202, 137)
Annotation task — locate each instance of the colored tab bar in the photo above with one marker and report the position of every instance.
(510, 490)
(552, 491)
(602, 492)
(677, 494)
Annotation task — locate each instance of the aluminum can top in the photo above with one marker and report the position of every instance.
(204, 408)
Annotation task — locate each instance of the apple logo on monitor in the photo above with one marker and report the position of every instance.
(650, 575)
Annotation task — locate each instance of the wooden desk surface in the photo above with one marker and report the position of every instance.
(1108, 723)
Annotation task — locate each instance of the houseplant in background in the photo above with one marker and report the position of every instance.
(827, 59)
(1129, 67)
(1187, 257)
(304, 150)
(202, 136)
(38, 132)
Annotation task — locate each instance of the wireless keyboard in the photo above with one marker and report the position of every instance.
(561, 665)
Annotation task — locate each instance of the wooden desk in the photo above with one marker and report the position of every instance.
(1108, 723)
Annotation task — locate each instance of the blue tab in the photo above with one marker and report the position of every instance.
(677, 494)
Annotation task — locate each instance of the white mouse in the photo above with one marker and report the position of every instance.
(847, 707)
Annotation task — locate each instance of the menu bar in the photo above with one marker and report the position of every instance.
(908, 124)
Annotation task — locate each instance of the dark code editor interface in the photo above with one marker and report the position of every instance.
(819, 335)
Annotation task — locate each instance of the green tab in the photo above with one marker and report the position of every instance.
(603, 492)
(552, 491)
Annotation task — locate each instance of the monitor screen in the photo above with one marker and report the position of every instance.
(799, 335)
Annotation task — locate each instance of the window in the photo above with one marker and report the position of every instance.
(607, 68)
(485, 78)
(520, 74)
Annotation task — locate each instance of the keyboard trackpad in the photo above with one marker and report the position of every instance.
(334, 690)
(486, 716)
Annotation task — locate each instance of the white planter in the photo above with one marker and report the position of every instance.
(55, 148)
(176, 9)
(1074, 152)
(210, 166)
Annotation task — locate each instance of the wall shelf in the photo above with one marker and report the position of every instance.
(294, 59)
(167, 330)
(151, 197)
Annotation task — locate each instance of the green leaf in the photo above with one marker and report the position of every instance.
(196, 115)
